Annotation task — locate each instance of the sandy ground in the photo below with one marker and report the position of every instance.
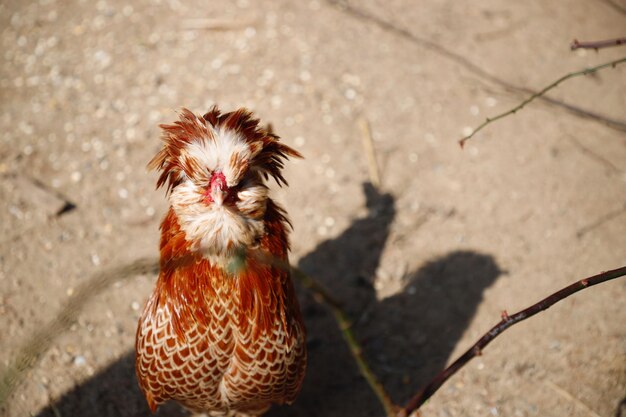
(425, 264)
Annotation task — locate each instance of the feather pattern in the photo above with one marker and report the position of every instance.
(222, 332)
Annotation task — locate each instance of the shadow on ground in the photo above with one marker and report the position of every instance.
(407, 337)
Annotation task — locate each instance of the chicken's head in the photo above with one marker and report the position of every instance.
(214, 168)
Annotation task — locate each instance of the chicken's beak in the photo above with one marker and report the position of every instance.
(218, 195)
(218, 190)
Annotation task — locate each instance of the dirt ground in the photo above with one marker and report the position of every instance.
(425, 264)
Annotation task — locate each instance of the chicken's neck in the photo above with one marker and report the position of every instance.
(189, 283)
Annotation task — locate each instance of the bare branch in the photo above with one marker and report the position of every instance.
(322, 296)
(345, 325)
(370, 151)
(543, 91)
(506, 322)
(39, 342)
(463, 61)
(597, 44)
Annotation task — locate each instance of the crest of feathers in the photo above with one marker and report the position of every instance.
(267, 153)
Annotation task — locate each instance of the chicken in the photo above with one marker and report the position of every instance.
(222, 332)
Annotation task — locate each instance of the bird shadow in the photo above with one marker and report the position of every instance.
(407, 338)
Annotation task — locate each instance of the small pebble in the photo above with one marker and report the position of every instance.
(80, 361)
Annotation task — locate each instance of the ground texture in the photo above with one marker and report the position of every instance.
(424, 264)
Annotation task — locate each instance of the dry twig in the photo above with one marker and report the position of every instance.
(597, 44)
(463, 61)
(506, 322)
(39, 342)
(543, 91)
(370, 151)
(345, 326)
(322, 296)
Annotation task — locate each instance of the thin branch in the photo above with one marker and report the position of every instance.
(322, 296)
(370, 151)
(38, 343)
(506, 322)
(427, 43)
(345, 325)
(540, 94)
(597, 44)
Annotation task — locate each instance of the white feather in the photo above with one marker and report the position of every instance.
(217, 231)
(214, 153)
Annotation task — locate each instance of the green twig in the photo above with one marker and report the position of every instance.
(586, 71)
(322, 296)
(345, 326)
